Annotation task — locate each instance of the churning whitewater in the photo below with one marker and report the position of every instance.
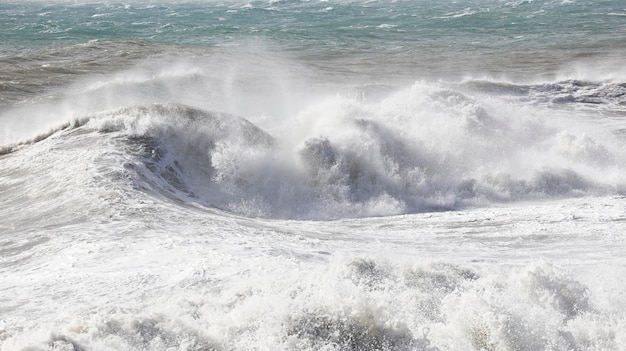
(425, 148)
(312, 175)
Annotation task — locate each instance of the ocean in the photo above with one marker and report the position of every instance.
(312, 175)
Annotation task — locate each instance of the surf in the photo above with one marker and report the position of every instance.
(318, 175)
(428, 147)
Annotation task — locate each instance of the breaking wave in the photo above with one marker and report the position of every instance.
(425, 148)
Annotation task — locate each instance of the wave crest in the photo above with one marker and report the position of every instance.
(425, 148)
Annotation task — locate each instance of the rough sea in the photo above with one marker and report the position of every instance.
(313, 175)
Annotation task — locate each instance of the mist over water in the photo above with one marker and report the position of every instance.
(312, 175)
(336, 150)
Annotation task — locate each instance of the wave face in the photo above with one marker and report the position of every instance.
(425, 148)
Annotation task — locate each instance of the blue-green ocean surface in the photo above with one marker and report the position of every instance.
(511, 38)
(51, 44)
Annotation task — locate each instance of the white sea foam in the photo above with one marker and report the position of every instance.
(114, 266)
(189, 280)
(135, 227)
(429, 146)
(426, 147)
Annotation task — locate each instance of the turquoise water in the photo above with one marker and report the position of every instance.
(359, 41)
(301, 24)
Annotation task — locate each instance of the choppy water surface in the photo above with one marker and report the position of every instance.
(304, 175)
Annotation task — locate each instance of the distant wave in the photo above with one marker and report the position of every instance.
(608, 94)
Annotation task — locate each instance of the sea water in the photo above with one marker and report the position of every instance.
(313, 175)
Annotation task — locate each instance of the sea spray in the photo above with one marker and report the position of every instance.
(424, 148)
(317, 175)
